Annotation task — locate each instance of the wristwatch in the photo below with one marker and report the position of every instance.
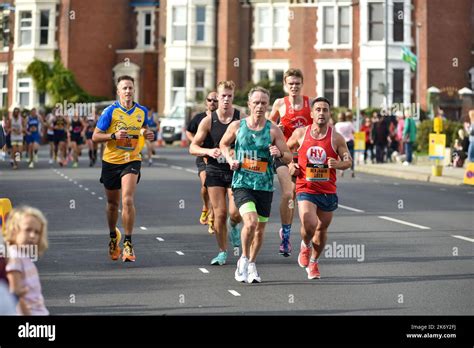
(112, 136)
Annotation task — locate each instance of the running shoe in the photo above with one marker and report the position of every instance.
(252, 274)
(210, 226)
(220, 259)
(128, 253)
(35, 158)
(241, 273)
(31, 165)
(204, 215)
(234, 234)
(304, 255)
(74, 165)
(114, 245)
(285, 245)
(50, 161)
(313, 271)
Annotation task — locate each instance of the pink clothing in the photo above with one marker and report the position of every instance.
(400, 125)
(29, 273)
(346, 129)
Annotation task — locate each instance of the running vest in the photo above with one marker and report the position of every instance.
(315, 176)
(76, 127)
(152, 125)
(33, 124)
(256, 163)
(16, 129)
(295, 118)
(217, 132)
(60, 122)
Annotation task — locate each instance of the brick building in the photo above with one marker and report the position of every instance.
(178, 49)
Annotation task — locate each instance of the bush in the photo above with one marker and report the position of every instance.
(275, 88)
(450, 128)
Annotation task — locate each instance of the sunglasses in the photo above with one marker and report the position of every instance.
(212, 100)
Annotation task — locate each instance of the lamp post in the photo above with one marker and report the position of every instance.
(418, 26)
(433, 93)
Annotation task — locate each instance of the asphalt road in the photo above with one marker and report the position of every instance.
(419, 269)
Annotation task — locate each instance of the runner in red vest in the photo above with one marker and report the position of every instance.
(289, 113)
(320, 149)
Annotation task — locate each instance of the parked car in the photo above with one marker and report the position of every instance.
(172, 126)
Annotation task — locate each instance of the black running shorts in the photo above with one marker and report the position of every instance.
(111, 175)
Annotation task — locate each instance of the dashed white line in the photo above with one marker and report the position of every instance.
(351, 209)
(177, 167)
(143, 228)
(80, 186)
(203, 270)
(396, 183)
(160, 239)
(65, 177)
(93, 193)
(405, 223)
(70, 180)
(464, 238)
(233, 292)
(179, 252)
(191, 171)
(100, 198)
(86, 189)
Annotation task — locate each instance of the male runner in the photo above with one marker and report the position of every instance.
(257, 142)
(33, 137)
(120, 126)
(289, 113)
(218, 173)
(207, 216)
(319, 147)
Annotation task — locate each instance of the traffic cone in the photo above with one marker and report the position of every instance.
(5, 208)
(159, 141)
(184, 140)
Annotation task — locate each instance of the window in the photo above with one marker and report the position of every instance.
(199, 84)
(179, 23)
(263, 75)
(272, 26)
(398, 16)
(376, 27)
(44, 26)
(42, 98)
(4, 91)
(25, 28)
(329, 85)
(147, 29)
(278, 76)
(328, 25)
(343, 88)
(200, 23)
(275, 75)
(178, 86)
(375, 87)
(5, 28)
(344, 25)
(24, 91)
(398, 85)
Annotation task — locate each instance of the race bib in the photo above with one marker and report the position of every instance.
(33, 129)
(317, 172)
(127, 144)
(254, 165)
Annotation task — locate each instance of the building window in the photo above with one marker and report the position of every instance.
(5, 28)
(329, 85)
(328, 25)
(263, 75)
(398, 85)
(278, 76)
(147, 28)
(343, 88)
(398, 16)
(4, 91)
(44, 27)
(42, 98)
(179, 23)
(25, 28)
(200, 23)
(178, 86)
(24, 91)
(275, 75)
(376, 87)
(344, 25)
(376, 27)
(199, 84)
(272, 25)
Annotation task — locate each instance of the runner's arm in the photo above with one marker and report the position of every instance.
(228, 138)
(279, 141)
(201, 134)
(343, 152)
(275, 114)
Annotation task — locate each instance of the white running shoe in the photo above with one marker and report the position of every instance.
(50, 161)
(253, 276)
(241, 271)
(35, 158)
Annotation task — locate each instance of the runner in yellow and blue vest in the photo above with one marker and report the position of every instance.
(257, 143)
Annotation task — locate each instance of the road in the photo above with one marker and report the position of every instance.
(417, 269)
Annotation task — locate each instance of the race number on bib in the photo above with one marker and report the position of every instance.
(317, 172)
(254, 165)
(127, 144)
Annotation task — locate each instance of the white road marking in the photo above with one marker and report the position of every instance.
(351, 209)
(464, 238)
(75, 182)
(396, 183)
(191, 171)
(86, 189)
(65, 177)
(203, 270)
(405, 223)
(80, 186)
(177, 167)
(143, 228)
(70, 179)
(233, 292)
(442, 189)
(100, 198)
(93, 193)
(179, 252)
(160, 239)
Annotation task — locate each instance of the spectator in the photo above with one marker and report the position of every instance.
(409, 137)
(459, 150)
(380, 136)
(400, 125)
(345, 127)
(369, 142)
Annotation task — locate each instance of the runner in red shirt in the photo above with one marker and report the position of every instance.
(289, 113)
(320, 149)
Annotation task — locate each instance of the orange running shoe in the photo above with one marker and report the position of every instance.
(128, 253)
(313, 271)
(203, 218)
(304, 255)
(114, 245)
(210, 226)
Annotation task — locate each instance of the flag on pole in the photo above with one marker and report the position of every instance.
(409, 57)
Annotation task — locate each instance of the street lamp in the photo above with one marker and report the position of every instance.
(433, 93)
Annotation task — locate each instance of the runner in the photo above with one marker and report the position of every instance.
(33, 137)
(207, 215)
(150, 144)
(53, 152)
(61, 131)
(120, 126)
(91, 122)
(78, 129)
(218, 174)
(319, 148)
(290, 113)
(257, 142)
(15, 128)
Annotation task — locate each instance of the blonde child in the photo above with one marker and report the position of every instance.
(26, 237)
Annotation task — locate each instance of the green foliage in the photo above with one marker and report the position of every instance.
(450, 128)
(275, 88)
(41, 73)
